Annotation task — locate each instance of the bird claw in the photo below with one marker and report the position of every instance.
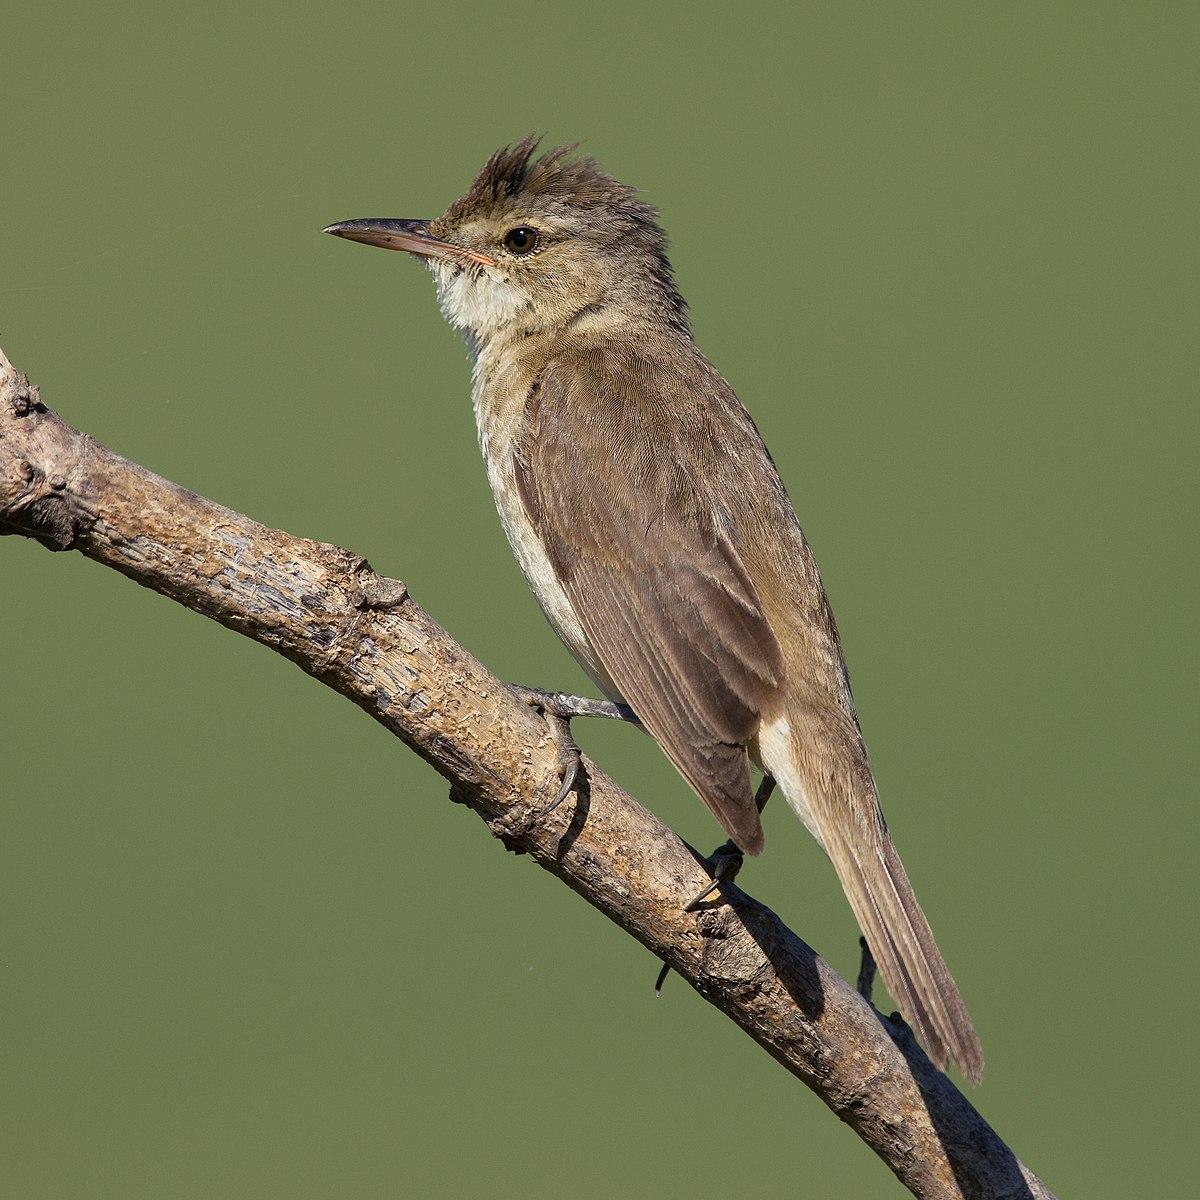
(569, 760)
(726, 861)
(557, 716)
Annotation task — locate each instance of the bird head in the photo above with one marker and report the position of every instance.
(536, 244)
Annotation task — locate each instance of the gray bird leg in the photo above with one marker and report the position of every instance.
(566, 706)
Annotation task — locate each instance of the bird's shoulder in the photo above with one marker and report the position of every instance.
(637, 401)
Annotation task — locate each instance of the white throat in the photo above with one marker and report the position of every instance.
(474, 302)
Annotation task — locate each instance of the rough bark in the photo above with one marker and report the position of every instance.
(364, 636)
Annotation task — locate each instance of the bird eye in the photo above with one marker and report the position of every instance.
(521, 240)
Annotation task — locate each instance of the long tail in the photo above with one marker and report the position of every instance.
(840, 808)
(877, 886)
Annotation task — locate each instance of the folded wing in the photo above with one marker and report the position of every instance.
(655, 581)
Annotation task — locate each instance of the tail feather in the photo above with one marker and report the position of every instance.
(836, 800)
(902, 943)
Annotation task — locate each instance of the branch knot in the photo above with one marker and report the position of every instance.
(21, 396)
(41, 506)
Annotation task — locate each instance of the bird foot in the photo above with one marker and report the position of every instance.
(726, 860)
(557, 716)
(725, 863)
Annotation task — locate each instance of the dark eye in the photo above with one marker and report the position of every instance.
(521, 240)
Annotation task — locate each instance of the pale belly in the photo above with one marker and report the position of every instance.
(535, 563)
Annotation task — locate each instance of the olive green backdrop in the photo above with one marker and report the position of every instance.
(946, 254)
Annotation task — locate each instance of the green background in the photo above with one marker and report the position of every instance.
(946, 254)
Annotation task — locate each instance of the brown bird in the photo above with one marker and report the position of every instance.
(654, 530)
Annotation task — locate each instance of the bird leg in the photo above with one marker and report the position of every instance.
(726, 860)
(565, 706)
(558, 709)
(866, 972)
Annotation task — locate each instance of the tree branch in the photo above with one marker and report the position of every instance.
(362, 635)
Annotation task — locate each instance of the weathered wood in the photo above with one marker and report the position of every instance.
(363, 635)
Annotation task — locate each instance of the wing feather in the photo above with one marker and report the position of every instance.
(654, 579)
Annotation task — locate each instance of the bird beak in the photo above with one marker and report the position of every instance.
(413, 236)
